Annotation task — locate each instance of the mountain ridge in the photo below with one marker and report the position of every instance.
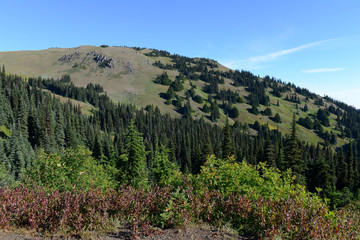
(129, 75)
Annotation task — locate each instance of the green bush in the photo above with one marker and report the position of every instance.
(229, 177)
(72, 169)
(198, 99)
(267, 112)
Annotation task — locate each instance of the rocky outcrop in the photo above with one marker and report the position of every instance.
(69, 57)
(129, 67)
(102, 60)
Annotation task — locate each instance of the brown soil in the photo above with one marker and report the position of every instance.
(194, 233)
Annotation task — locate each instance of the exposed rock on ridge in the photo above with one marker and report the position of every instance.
(102, 60)
(69, 57)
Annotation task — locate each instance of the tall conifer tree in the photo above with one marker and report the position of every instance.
(134, 157)
(227, 144)
(293, 154)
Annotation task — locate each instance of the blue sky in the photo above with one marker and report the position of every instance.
(314, 44)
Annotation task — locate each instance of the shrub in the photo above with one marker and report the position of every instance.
(254, 110)
(163, 79)
(267, 112)
(233, 112)
(306, 122)
(277, 118)
(198, 99)
(254, 200)
(177, 85)
(72, 169)
(206, 108)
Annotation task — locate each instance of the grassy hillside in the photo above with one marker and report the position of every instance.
(128, 74)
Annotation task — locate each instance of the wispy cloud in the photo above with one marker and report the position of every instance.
(275, 55)
(320, 70)
(253, 62)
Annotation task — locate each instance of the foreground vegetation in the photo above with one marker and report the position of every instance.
(255, 201)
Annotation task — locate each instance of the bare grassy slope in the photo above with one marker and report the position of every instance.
(130, 79)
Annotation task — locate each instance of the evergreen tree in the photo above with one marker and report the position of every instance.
(280, 158)
(215, 112)
(186, 110)
(277, 118)
(306, 108)
(163, 79)
(227, 144)
(97, 148)
(269, 155)
(351, 171)
(33, 129)
(2, 76)
(59, 127)
(293, 154)
(162, 167)
(342, 171)
(319, 174)
(267, 112)
(206, 108)
(233, 112)
(306, 122)
(70, 135)
(323, 117)
(170, 94)
(206, 151)
(135, 171)
(177, 85)
(254, 110)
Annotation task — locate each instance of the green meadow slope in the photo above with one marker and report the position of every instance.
(128, 74)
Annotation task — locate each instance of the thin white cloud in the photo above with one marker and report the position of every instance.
(275, 55)
(320, 70)
(253, 62)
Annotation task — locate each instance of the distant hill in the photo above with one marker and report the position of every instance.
(200, 87)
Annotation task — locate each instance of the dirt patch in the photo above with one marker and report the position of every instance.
(194, 233)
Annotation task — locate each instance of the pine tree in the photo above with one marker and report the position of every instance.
(319, 174)
(33, 129)
(342, 171)
(254, 110)
(134, 158)
(2, 76)
(170, 94)
(59, 127)
(70, 135)
(350, 164)
(162, 167)
(215, 112)
(293, 154)
(206, 151)
(269, 153)
(97, 147)
(277, 118)
(227, 144)
(306, 108)
(186, 110)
